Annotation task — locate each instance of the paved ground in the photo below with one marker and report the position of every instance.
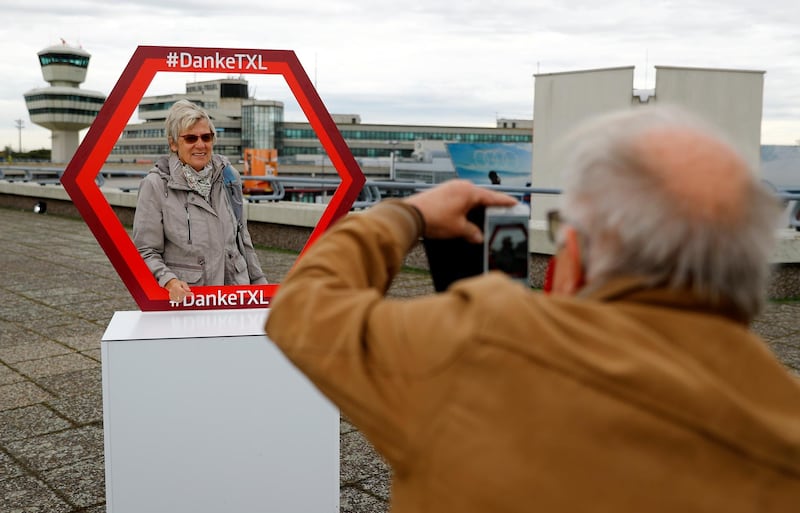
(57, 295)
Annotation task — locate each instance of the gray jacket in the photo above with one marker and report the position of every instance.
(180, 235)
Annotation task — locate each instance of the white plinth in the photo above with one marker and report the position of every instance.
(202, 413)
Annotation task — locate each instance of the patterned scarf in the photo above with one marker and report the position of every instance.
(198, 181)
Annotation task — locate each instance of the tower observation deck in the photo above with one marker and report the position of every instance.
(63, 107)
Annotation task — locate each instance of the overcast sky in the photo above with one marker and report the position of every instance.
(413, 61)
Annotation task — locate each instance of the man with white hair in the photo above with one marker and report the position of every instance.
(634, 386)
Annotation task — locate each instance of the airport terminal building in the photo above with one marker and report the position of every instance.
(243, 122)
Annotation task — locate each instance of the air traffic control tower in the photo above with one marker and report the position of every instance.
(63, 107)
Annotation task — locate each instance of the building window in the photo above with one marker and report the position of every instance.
(64, 58)
(63, 97)
(56, 110)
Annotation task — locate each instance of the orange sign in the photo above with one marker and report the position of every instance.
(259, 162)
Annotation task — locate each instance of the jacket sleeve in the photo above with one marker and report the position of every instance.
(148, 228)
(257, 276)
(383, 362)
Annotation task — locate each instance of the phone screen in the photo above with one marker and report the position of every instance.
(506, 241)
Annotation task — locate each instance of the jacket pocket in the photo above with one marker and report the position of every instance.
(190, 273)
(239, 263)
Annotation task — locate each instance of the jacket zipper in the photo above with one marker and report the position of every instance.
(188, 221)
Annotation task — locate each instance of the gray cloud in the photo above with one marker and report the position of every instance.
(419, 61)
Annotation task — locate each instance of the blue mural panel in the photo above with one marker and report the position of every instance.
(475, 161)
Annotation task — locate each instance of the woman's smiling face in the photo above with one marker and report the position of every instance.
(197, 153)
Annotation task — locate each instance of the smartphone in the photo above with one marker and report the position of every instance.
(505, 241)
(450, 260)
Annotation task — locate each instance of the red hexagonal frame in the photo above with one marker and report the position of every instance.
(79, 177)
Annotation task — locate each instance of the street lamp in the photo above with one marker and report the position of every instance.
(20, 125)
(392, 173)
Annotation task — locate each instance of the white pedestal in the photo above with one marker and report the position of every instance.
(202, 413)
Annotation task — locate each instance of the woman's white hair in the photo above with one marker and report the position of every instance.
(633, 226)
(182, 116)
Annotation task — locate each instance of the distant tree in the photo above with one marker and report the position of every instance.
(40, 154)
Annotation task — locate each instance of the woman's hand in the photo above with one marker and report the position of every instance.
(178, 290)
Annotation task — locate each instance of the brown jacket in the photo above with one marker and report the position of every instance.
(179, 234)
(490, 397)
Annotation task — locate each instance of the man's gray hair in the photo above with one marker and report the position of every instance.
(632, 225)
(182, 116)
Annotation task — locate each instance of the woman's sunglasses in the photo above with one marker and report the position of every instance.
(192, 138)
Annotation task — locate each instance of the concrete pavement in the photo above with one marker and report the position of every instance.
(57, 294)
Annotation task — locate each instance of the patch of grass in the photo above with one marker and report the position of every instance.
(275, 249)
(789, 301)
(415, 270)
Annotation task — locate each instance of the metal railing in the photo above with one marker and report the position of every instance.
(282, 186)
(38, 175)
(119, 174)
(373, 190)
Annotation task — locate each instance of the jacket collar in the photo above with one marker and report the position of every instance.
(172, 167)
(636, 289)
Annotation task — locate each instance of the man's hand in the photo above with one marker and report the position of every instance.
(445, 208)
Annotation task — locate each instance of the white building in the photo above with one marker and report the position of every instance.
(728, 99)
(63, 107)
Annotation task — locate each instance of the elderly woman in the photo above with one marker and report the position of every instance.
(189, 224)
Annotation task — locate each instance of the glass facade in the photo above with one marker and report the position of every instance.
(403, 135)
(228, 132)
(63, 110)
(64, 97)
(141, 149)
(166, 105)
(303, 141)
(144, 133)
(259, 122)
(163, 149)
(151, 107)
(233, 90)
(80, 61)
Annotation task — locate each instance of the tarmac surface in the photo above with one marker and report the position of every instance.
(58, 293)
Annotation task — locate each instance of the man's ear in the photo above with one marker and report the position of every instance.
(569, 276)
